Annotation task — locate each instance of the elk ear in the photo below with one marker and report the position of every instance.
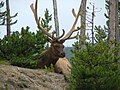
(62, 41)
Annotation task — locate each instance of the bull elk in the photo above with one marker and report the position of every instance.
(55, 51)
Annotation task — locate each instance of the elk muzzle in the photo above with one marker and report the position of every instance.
(62, 54)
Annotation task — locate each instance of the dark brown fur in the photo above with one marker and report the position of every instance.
(51, 55)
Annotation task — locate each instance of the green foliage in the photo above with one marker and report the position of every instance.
(25, 47)
(4, 62)
(50, 68)
(24, 62)
(101, 34)
(1, 4)
(45, 21)
(21, 48)
(9, 18)
(95, 68)
(2, 14)
(24, 43)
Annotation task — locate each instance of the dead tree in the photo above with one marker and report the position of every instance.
(8, 18)
(90, 20)
(55, 51)
(82, 13)
(83, 23)
(56, 18)
(114, 33)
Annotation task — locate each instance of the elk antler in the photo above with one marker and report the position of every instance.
(44, 30)
(68, 35)
(73, 12)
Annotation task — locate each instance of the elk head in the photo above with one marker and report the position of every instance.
(56, 42)
(57, 48)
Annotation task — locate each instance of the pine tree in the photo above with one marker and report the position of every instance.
(45, 22)
(96, 68)
(9, 18)
(2, 14)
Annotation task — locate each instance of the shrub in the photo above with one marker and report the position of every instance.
(96, 67)
(49, 69)
(22, 47)
(24, 62)
(24, 43)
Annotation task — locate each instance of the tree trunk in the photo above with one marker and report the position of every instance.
(56, 18)
(8, 17)
(113, 21)
(117, 23)
(83, 23)
(114, 33)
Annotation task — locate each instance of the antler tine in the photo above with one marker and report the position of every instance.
(34, 10)
(73, 12)
(74, 36)
(53, 33)
(68, 35)
(62, 34)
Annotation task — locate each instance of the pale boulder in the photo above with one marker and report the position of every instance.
(63, 66)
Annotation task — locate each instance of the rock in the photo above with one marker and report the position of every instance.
(16, 78)
(63, 66)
